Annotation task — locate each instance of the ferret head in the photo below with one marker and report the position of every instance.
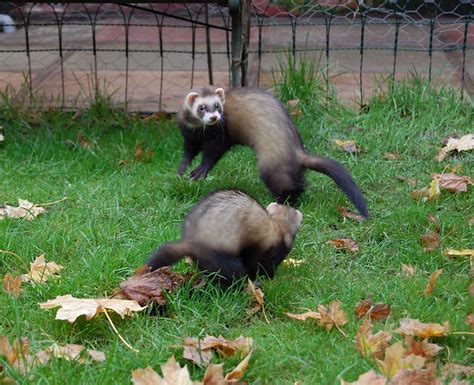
(206, 106)
(288, 218)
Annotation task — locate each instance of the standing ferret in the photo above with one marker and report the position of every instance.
(230, 233)
(257, 119)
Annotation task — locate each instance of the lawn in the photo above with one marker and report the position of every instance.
(117, 212)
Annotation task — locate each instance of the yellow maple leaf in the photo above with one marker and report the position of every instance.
(413, 327)
(459, 253)
(396, 359)
(71, 308)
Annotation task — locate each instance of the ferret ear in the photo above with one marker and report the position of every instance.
(220, 92)
(191, 98)
(272, 208)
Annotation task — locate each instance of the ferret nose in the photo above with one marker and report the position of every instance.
(213, 118)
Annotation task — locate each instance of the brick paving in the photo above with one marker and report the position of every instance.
(140, 77)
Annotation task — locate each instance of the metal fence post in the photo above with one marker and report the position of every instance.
(235, 11)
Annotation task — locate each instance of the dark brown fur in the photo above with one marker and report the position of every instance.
(255, 118)
(230, 233)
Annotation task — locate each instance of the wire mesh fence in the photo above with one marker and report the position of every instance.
(145, 56)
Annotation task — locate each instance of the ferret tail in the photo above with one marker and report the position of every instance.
(168, 254)
(338, 174)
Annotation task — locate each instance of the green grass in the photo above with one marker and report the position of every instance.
(114, 216)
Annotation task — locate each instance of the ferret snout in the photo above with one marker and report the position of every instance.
(212, 118)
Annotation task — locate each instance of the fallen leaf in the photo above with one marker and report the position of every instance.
(173, 374)
(40, 271)
(70, 352)
(295, 111)
(304, 316)
(456, 168)
(432, 219)
(456, 370)
(332, 315)
(430, 241)
(345, 244)
(71, 308)
(408, 270)
(465, 143)
(369, 378)
(371, 345)
(416, 376)
(12, 285)
(391, 155)
(17, 354)
(148, 376)
(238, 372)
(427, 193)
(396, 359)
(348, 145)
(413, 327)
(470, 320)
(25, 209)
(376, 312)
(452, 182)
(146, 286)
(83, 141)
(142, 155)
(257, 295)
(432, 282)
(350, 214)
(459, 253)
(421, 348)
(199, 350)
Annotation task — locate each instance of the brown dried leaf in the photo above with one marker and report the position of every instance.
(142, 155)
(83, 141)
(25, 209)
(470, 320)
(432, 282)
(452, 182)
(396, 359)
(17, 354)
(369, 378)
(257, 295)
(41, 271)
(71, 308)
(345, 244)
(295, 111)
(430, 241)
(173, 374)
(332, 315)
(408, 270)
(413, 327)
(391, 155)
(459, 253)
(456, 370)
(427, 193)
(348, 145)
(465, 143)
(146, 286)
(199, 351)
(421, 348)
(304, 316)
(70, 352)
(378, 311)
(238, 372)
(12, 285)
(416, 377)
(371, 345)
(350, 214)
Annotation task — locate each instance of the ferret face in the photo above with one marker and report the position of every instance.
(288, 218)
(208, 109)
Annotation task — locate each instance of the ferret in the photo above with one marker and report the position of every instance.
(230, 233)
(257, 119)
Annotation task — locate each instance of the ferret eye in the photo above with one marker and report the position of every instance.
(202, 107)
(217, 105)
